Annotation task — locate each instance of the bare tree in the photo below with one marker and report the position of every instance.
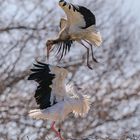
(113, 84)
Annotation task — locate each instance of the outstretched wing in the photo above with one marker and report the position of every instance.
(64, 47)
(43, 76)
(78, 16)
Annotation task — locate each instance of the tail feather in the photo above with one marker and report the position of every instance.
(81, 106)
(80, 103)
(37, 114)
(95, 38)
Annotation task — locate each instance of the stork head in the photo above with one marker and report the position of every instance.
(49, 45)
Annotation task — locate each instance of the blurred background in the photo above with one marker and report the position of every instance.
(113, 84)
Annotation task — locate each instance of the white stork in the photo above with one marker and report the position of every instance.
(54, 100)
(79, 26)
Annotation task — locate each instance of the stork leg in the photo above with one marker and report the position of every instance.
(87, 54)
(91, 47)
(58, 134)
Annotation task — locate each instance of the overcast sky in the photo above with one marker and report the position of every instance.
(135, 6)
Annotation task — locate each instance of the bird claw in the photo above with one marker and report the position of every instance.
(58, 134)
(89, 67)
(95, 60)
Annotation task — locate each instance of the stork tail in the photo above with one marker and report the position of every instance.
(95, 38)
(80, 103)
(36, 114)
(82, 106)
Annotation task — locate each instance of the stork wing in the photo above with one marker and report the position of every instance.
(43, 76)
(64, 47)
(78, 16)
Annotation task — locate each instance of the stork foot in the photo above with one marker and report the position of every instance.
(89, 66)
(58, 134)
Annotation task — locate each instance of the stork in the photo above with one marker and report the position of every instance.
(79, 26)
(55, 99)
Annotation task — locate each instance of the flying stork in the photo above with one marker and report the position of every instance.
(79, 26)
(55, 99)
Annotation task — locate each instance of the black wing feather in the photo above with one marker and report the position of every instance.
(64, 48)
(43, 76)
(89, 17)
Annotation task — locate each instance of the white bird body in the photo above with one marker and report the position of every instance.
(76, 33)
(55, 98)
(79, 26)
(76, 23)
(57, 112)
(60, 110)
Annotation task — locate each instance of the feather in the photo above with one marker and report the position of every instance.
(41, 74)
(64, 48)
(55, 99)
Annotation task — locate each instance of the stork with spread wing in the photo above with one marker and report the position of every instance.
(79, 26)
(55, 101)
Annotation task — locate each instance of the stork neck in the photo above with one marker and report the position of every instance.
(59, 85)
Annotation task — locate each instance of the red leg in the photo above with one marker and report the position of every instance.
(58, 134)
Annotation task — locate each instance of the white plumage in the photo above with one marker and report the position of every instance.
(79, 26)
(59, 111)
(56, 99)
